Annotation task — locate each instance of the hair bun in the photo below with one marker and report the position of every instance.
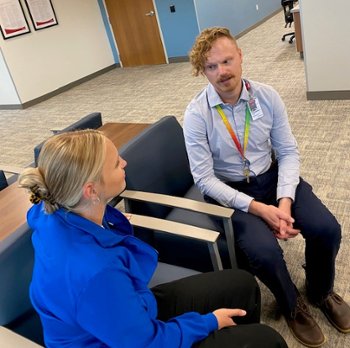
(34, 199)
(35, 196)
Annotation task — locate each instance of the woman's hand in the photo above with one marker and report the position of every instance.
(224, 316)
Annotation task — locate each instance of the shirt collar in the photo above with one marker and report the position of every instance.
(116, 226)
(214, 98)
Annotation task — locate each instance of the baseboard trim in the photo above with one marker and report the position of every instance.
(180, 59)
(328, 95)
(59, 90)
(11, 107)
(237, 36)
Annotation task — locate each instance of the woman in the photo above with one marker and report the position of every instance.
(90, 277)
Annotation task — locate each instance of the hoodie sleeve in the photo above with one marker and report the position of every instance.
(113, 311)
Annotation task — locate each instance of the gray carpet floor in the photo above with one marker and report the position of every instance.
(145, 94)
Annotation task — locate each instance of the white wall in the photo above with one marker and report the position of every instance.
(326, 29)
(45, 60)
(8, 93)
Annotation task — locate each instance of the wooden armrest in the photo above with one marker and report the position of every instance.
(176, 228)
(192, 205)
(183, 230)
(10, 339)
(179, 202)
(11, 169)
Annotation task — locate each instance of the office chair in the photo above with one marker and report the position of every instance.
(288, 18)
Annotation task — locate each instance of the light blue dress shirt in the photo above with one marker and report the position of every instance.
(213, 156)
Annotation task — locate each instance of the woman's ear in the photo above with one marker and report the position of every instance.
(89, 192)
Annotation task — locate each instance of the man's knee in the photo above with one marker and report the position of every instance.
(314, 218)
(326, 231)
(332, 232)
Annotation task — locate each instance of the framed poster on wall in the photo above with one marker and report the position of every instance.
(41, 13)
(12, 19)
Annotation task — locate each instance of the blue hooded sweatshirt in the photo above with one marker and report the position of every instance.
(89, 285)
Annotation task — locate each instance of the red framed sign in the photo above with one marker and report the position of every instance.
(12, 19)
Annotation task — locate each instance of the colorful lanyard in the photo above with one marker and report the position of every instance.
(233, 134)
(246, 163)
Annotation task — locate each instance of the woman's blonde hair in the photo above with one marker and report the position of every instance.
(203, 44)
(67, 161)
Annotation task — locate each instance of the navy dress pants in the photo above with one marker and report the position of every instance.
(261, 253)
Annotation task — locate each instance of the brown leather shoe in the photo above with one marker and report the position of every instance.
(304, 327)
(337, 312)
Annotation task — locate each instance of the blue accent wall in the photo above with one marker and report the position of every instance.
(179, 28)
(237, 15)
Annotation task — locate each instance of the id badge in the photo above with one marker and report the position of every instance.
(255, 108)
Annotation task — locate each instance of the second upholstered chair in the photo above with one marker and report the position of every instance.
(158, 167)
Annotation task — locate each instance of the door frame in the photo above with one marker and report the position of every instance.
(113, 42)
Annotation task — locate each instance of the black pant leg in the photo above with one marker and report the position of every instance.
(247, 336)
(206, 292)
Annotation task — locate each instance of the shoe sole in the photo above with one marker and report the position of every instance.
(305, 344)
(345, 331)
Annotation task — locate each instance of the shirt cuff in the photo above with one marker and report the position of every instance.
(211, 321)
(286, 191)
(242, 202)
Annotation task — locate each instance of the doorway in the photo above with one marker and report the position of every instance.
(136, 31)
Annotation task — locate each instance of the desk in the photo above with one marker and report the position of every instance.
(297, 29)
(14, 201)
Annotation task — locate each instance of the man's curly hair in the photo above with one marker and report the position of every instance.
(203, 45)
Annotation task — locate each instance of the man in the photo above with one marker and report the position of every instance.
(233, 128)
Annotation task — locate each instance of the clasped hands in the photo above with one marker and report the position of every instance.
(278, 218)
